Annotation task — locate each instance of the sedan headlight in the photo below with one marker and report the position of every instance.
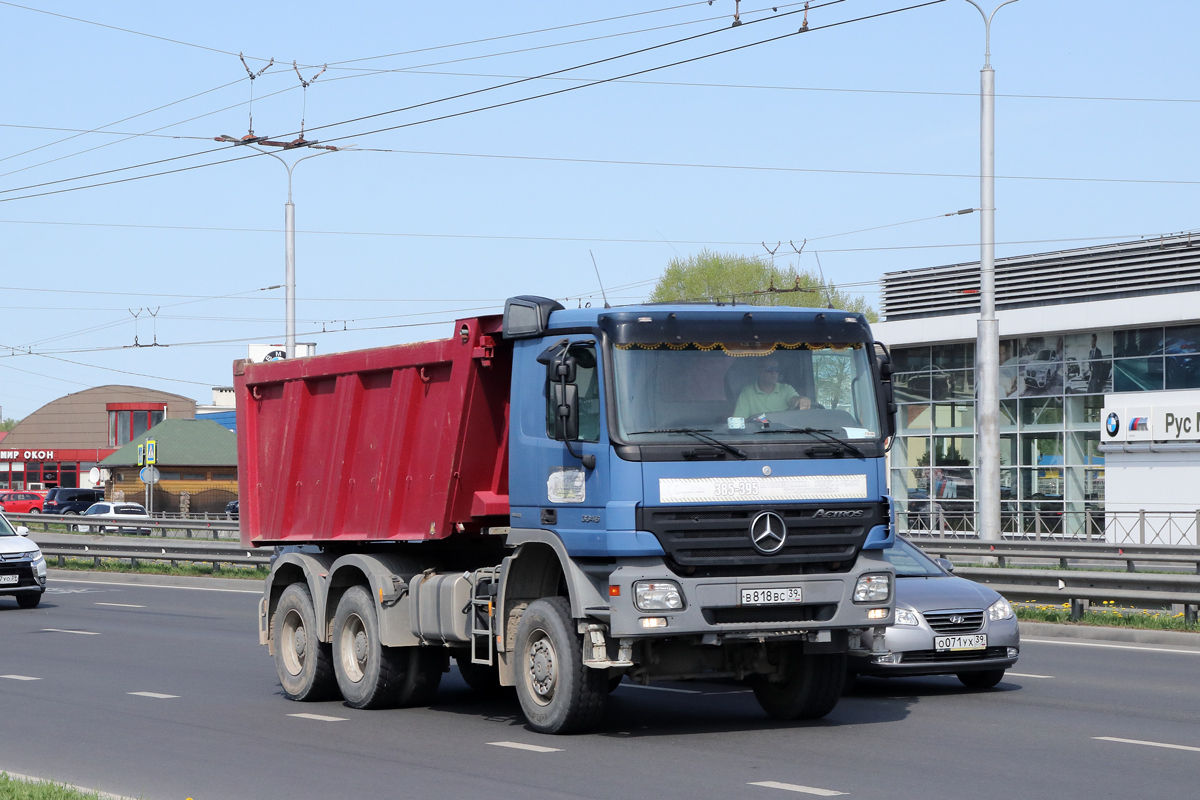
(657, 596)
(906, 617)
(1001, 609)
(873, 589)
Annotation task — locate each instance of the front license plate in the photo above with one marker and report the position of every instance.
(976, 641)
(769, 597)
(9, 578)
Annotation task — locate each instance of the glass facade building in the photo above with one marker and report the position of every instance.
(1054, 377)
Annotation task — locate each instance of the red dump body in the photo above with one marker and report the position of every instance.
(397, 443)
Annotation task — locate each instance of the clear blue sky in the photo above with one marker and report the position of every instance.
(385, 237)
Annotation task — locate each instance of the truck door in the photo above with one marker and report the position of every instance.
(549, 487)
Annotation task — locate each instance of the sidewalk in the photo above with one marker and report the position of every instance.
(181, 581)
(1101, 633)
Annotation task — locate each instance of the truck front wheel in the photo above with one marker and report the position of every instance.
(304, 664)
(810, 687)
(557, 692)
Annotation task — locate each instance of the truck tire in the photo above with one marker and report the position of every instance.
(811, 686)
(368, 674)
(557, 692)
(481, 678)
(985, 679)
(422, 673)
(304, 663)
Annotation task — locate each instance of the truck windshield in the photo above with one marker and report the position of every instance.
(759, 392)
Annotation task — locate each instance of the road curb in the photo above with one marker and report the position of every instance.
(1055, 630)
(188, 581)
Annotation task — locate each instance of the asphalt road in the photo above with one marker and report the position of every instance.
(165, 693)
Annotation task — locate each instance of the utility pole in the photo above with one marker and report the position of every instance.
(987, 344)
(289, 220)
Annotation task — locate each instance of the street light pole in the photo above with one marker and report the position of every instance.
(987, 345)
(289, 251)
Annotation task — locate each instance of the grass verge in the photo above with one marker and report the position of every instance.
(1107, 615)
(18, 789)
(160, 568)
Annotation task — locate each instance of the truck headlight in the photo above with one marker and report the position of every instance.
(906, 617)
(657, 596)
(873, 588)
(1001, 609)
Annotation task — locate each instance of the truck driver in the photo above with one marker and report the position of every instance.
(767, 395)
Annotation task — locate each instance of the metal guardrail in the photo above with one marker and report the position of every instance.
(1079, 587)
(187, 528)
(1039, 523)
(59, 547)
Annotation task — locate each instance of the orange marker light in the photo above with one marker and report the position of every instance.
(614, 591)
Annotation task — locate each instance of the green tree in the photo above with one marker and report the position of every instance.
(8, 424)
(720, 276)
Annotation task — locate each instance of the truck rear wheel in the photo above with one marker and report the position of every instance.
(371, 675)
(368, 674)
(557, 692)
(482, 678)
(304, 664)
(810, 688)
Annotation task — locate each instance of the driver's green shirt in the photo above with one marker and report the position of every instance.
(754, 401)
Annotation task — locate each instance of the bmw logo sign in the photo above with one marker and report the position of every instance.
(1112, 424)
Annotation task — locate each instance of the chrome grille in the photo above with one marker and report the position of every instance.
(957, 621)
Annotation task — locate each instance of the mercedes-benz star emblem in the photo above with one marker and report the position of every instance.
(768, 533)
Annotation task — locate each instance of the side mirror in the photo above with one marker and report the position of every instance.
(945, 564)
(565, 399)
(22, 531)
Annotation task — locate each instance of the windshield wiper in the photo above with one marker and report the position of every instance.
(823, 434)
(700, 434)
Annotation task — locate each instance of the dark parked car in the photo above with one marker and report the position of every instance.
(71, 501)
(231, 508)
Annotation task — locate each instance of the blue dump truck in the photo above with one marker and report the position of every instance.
(562, 499)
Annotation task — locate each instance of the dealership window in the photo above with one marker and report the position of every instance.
(1052, 390)
(127, 424)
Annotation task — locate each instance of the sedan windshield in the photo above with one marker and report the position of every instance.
(910, 562)
(789, 391)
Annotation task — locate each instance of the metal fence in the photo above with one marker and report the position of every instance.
(1114, 527)
(180, 528)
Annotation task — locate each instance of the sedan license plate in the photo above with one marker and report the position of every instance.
(9, 578)
(976, 641)
(770, 597)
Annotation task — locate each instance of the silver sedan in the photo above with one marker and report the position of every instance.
(945, 625)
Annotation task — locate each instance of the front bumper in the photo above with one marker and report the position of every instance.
(914, 646)
(31, 576)
(713, 605)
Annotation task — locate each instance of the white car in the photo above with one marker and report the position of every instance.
(101, 518)
(22, 568)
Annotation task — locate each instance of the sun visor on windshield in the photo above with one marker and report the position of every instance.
(748, 330)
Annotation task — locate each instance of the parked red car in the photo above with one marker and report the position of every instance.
(21, 502)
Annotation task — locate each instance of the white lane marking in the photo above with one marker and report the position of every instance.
(20, 678)
(659, 688)
(1026, 675)
(119, 605)
(161, 586)
(792, 787)
(533, 748)
(155, 695)
(1148, 744)
(88, 792)
(63, 630)
(1113, 646)
(320, 717)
